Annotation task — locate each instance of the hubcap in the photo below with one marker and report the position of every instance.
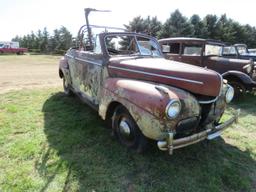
(125, 129)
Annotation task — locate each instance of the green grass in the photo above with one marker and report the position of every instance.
(50, 142)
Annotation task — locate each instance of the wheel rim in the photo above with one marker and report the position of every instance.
(125, 130)
(239, 89)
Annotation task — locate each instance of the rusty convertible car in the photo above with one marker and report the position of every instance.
(143, 96)
(240, 73)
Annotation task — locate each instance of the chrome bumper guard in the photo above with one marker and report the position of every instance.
(170, 144)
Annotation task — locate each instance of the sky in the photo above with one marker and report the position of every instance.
(20, 17)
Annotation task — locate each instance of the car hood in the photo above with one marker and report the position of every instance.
(191, 78)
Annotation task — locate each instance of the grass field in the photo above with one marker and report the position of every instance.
(50, 142)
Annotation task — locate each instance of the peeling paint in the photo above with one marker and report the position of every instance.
(90, 77)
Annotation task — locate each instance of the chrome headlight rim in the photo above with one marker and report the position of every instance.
(229, 95)
(168, 107)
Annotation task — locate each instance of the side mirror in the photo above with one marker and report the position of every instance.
(166, 48)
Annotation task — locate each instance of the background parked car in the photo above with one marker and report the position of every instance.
(208, 53)
(239, 51)
(252, 51)
(12, 47)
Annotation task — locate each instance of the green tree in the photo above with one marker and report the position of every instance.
(200, 30)
(54, 41)
(45, 41)
(249, 36)
(211, 26)
(177, 25)
(153, 26)
(60, 41)
(38, 41)
(136, 25)
(228, 30)
(150, 26)
(65, 38)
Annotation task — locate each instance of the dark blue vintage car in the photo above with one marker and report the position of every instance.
(238, 51)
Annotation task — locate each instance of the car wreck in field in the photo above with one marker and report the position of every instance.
(143, 96)
(208, 53)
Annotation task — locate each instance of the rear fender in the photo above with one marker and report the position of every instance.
(147, 104)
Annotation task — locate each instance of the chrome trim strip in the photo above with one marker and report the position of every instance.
(83, 60)
(210, 101)
(154, 74)
(221, 81)
(71, 56)
(88, 61)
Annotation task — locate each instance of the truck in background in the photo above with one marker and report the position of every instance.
(11, 47)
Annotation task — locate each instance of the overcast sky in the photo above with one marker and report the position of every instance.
(20, 17)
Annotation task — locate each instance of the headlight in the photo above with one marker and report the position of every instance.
(173, 108)
(229, 94)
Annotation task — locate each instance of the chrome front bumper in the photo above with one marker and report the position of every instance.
(170, 143)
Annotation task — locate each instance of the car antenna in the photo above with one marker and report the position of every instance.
(87, 12)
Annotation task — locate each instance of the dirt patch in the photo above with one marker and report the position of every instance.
(28, 71)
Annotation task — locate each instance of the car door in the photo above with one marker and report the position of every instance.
(192, 54)
(86, 70)
(212, 58)
(7, 49)
(172, 50)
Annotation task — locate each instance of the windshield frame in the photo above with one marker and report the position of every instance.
(135, 36)
(230, 53)
(241, 46)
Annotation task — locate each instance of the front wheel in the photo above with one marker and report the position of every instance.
(66, 87)
(239, 89)
(127, 131)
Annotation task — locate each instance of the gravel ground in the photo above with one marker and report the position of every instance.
(28, 72)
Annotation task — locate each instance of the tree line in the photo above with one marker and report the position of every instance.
(177, 25)
(209, 27)
(42, 42)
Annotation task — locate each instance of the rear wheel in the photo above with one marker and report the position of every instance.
(127, 131)
(66, 87)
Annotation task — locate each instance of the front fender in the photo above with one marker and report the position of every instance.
(147, 104)
(246, 79)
